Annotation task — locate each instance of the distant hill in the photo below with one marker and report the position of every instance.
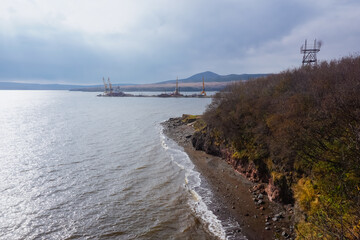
(213, 77)
(213, 82)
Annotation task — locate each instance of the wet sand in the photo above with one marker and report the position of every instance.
(232, 191)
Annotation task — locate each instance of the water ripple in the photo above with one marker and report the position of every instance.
(73, 166)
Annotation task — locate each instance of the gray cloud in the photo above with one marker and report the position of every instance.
(162, 41)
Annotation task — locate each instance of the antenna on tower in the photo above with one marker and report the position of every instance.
(309, 57)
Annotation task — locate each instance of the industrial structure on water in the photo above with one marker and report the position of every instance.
(203, 93)
(110, 92)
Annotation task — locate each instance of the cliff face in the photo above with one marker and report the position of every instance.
(202, 140)
(258, 173)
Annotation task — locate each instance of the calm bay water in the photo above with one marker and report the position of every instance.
(75, 166)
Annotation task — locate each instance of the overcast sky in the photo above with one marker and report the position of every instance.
(144, 41)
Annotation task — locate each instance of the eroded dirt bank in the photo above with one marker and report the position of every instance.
(240, 199)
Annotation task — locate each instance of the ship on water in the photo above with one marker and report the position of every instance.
(110, 92)
(176, 93)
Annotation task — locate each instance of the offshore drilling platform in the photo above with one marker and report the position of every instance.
(109, 91)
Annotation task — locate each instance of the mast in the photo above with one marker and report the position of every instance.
(203, 88)
(110, 86)
(177, 86)
(105, 86)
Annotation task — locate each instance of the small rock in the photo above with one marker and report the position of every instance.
(267, 228)
(255, 216)
(268, 223)
(188, 136)
(284, 234)
(233, 207)
(260, 196)
(262, 208)
(274, 219)
(260, 202)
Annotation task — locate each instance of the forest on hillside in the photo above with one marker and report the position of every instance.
(301, 128)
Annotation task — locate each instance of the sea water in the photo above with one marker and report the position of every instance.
(77, 166)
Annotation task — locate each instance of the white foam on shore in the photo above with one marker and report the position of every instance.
(192, 182)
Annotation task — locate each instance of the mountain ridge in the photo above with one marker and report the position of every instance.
(209, 77)
(214, 77)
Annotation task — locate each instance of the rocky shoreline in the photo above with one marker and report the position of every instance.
(240, 195)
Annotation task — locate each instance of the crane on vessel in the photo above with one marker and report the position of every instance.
(110, 86)
(105, 86)
(177, 92)
(203, 93)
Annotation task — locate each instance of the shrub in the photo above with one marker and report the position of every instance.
(303, 124)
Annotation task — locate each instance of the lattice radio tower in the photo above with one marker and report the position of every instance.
(309, 57)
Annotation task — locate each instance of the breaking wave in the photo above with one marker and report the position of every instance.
(200, 197)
